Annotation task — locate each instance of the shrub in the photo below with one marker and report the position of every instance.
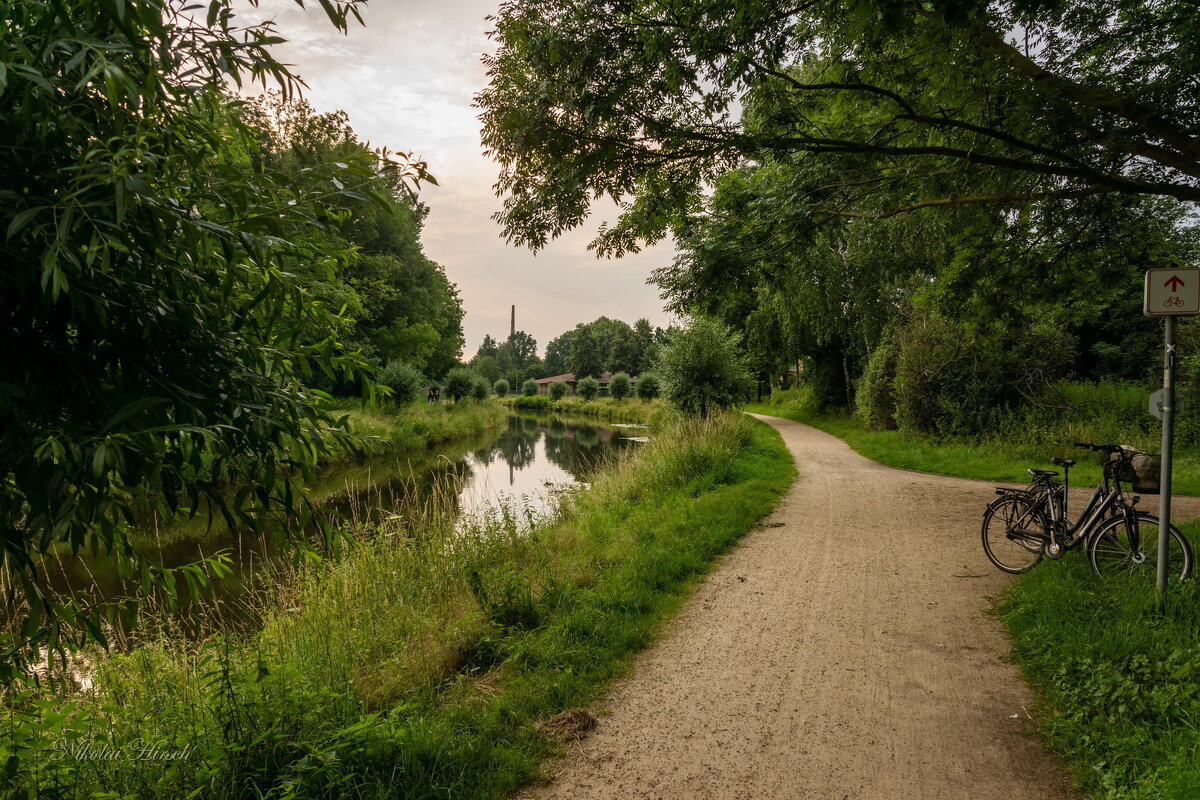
(954, 380)
(501, 388)
(647, 386)
(557, 390)
(588, 388)
(875, 399)
(529, 388)
(618, 386)
(533, 403)
(703, 367)
(479, 389)
(405, 381)
(460, 382)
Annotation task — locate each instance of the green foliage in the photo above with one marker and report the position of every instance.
(703, 368)
(533, 402)
(501, 388)
(529, 387)
(618, 386)
(480, 389)
(875, 399)
(954, 380)
(460, 383)
(558, 389)
(586, 358)
(647, 386)
(405, 381)
(821, 85)
(588, 388)
(1119, 676)
(157, 340)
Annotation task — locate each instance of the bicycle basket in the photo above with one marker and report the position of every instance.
(1139, 470)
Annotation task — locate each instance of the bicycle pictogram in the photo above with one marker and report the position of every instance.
(1173, 301)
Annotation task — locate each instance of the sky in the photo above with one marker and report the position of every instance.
(407, 80)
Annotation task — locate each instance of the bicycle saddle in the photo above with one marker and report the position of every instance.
(1063, 462)
(1042, 473)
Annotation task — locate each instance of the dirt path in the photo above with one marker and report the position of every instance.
(843, 651)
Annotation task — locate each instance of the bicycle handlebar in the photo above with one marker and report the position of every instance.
(1100, 448)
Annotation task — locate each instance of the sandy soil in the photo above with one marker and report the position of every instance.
(843, 651)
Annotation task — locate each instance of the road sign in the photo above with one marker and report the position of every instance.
(1172, 292)
(1159, 399)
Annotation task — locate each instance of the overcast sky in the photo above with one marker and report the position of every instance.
(407, 79)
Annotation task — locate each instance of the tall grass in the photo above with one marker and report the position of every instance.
(420, 663)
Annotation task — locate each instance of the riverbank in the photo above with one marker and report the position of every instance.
(633, 410)
(426, 662)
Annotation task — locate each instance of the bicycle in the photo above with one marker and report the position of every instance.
(1025, 525)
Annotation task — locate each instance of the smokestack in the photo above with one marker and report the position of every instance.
(513, 328)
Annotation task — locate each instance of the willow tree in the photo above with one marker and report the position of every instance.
(155, 341)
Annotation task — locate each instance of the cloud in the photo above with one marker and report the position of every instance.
(407, 80)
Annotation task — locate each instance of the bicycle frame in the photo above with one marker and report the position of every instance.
(1053, 500)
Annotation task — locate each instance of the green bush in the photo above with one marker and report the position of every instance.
(501, 388)
(460, 382)
(479, 389)
(529, 388)
(647, 386)
(703, 367)
(535, 402)
(618, 386)
(406, 382)
(588, 388)
(875, 399)
(955, 380)
(558, 390)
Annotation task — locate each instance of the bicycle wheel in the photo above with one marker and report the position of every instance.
(1014, 533)
(1111, 552)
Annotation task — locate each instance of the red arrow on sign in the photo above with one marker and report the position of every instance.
(1174, 283)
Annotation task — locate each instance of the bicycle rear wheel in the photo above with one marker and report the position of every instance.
(1014, 533)
(1111, 549)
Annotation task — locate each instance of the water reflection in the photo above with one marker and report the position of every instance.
(523, 468)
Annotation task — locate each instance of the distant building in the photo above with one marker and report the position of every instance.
(568, 378)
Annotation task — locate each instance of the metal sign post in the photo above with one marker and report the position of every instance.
(1169, 293)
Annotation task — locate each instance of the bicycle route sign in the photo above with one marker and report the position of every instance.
(1172, 292)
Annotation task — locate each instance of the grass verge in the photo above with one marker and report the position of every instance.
(1119, 680)
(422, 663)
(602, 408)
(999, 458)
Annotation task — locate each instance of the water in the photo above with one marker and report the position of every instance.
(525, 468)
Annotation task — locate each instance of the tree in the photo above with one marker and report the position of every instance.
(624, 350)
(647, 386)
(460, 382)
(618, 386)
(703, 367)
(957, 102)
(529, 388)
(501, 388)
(558, 389)
(586, 358)
(404, 381)
(157, 345)
(487, 348)
(487, 366)
(558, 355)
(479, 389)
(588, 388)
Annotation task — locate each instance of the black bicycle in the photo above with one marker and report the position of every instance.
(1023, 525)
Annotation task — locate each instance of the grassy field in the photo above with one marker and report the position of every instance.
(425, 662)
(1117, 677)
(602, 408)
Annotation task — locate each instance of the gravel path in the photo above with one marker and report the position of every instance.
(842, 651)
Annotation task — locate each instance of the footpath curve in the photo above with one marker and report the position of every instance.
(844, 651)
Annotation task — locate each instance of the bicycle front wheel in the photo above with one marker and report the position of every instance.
(1123, 546)
(1014, 533)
